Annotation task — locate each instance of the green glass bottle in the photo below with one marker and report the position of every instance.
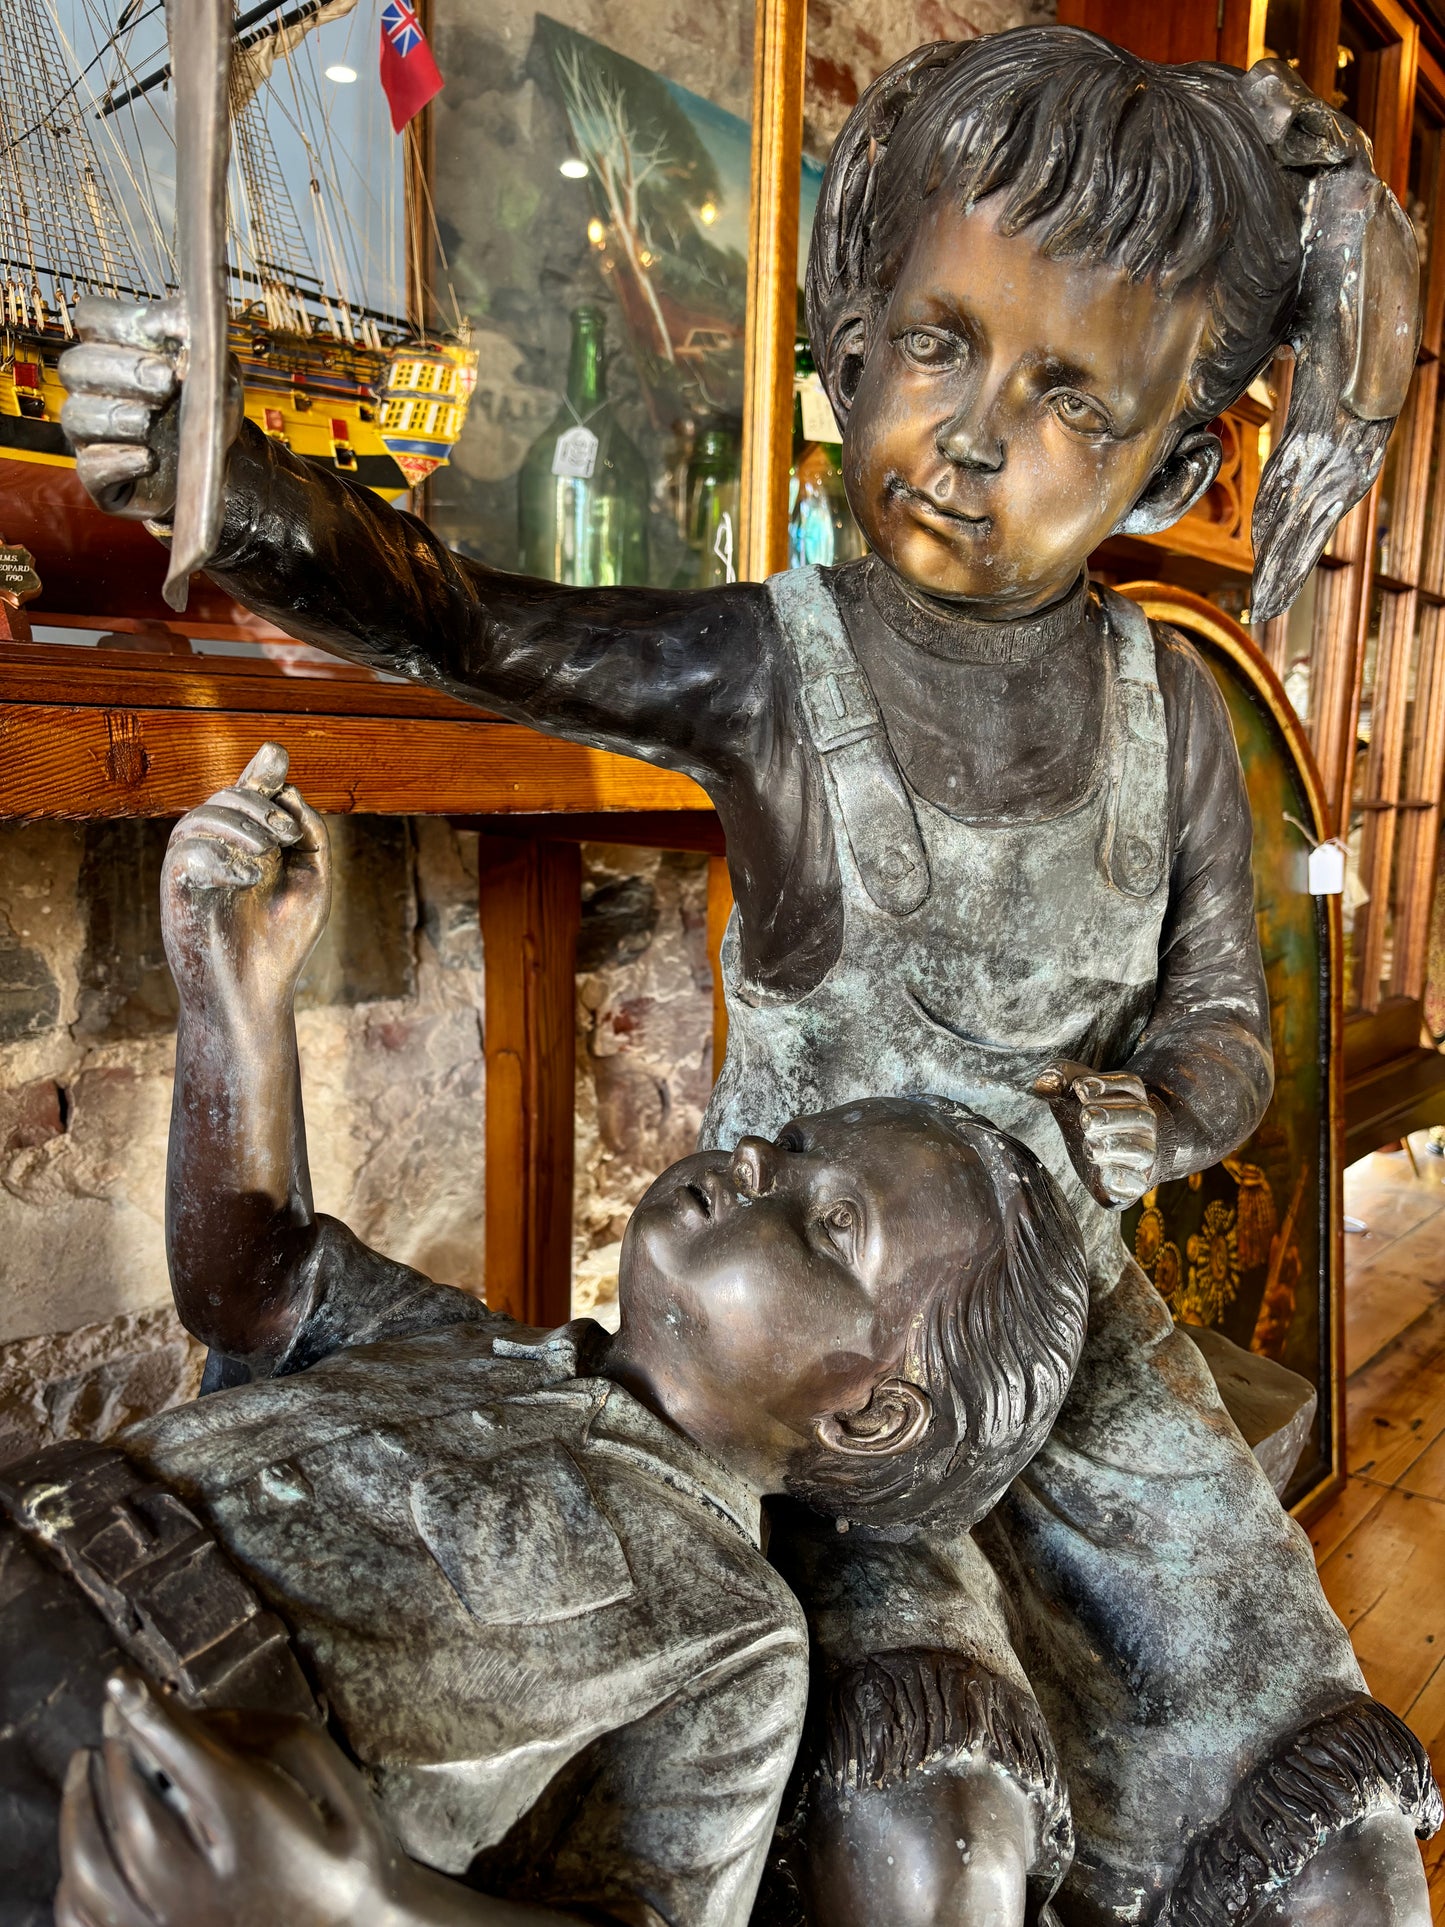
(583, 489)
(713, 493)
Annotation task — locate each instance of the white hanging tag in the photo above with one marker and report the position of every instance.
(1327, 870)
(819, 422)
(575, 454)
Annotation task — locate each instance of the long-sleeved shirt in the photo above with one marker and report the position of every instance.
(703, 682)
(538, 1613)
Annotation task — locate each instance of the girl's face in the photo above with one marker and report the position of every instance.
(1010, 412)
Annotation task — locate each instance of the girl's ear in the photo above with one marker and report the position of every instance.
(845, 354)
(1176, 485)
(895, 1418)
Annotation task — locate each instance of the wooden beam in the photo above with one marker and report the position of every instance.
(779, 50)
(637, 829)
(91, 761)
(530, 900)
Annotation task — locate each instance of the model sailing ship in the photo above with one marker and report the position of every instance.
(339, 381)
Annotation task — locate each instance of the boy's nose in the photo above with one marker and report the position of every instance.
(969, 442)
(752, 1168)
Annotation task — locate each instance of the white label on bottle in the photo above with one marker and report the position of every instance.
(575, 453)
(1327, 870)
(819, 422)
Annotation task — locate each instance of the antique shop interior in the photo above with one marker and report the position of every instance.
(583, 255)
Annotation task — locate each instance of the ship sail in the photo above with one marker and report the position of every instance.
(329, 367)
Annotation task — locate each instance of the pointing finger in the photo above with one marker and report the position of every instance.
(266, 771)
(312, 830)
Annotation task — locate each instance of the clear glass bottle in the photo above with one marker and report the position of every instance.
(713, 494)
(582, 496)
(821, 529)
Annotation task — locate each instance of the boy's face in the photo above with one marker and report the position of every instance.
(1011, 410)
(770, 1287)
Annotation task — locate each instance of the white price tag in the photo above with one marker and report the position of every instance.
(575, 454)
(1327, 870)
(819, 422)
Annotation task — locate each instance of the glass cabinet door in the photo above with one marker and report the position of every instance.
(590, 185)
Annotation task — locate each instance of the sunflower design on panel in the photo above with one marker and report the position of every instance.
(1213, 1253)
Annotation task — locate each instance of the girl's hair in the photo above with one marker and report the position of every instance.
(1179, 175)
(1099, 155)
(995, 1347)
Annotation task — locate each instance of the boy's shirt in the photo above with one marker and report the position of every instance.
(539, 1614)
(704, 682)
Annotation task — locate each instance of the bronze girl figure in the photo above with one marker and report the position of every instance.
(988, 836)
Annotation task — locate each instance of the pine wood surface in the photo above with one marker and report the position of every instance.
(1381, 1544)
(111, 761)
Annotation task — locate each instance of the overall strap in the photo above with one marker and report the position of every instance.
(1136, 823)
(847, 731)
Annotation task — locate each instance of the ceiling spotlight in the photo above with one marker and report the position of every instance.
(342, 75)
(575, 170)
(707, 213)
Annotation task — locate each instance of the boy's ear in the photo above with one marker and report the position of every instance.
(1176, 485)
(895, 1418)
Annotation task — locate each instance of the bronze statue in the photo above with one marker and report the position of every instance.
(988, 837)
(521, 1569)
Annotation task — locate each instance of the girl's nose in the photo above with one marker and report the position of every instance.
(969, 442)
(752, 1167)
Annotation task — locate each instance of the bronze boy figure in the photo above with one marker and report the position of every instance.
(522, 1568)
(988, 836)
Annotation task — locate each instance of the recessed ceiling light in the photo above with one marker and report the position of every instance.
(574, 169)
(343, 75)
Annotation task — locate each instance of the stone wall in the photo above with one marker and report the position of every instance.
(389, 1022)
(851, 42)
(390, 1032)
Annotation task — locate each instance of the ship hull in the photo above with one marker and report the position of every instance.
(93, 564)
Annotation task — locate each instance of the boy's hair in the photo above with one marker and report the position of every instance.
(995, 1349)
(1101, 156)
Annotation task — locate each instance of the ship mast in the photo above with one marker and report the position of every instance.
(61, 232)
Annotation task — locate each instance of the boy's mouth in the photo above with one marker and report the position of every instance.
(897, 489)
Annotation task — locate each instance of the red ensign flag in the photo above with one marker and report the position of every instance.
(409, 74)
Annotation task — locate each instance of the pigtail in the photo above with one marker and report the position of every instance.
(1355, 328)
(837, 289)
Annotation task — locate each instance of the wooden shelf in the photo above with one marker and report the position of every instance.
(100, 733)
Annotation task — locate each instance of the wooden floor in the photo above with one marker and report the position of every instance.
(1381, 1546)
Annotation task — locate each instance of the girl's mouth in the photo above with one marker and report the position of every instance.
(898, 490)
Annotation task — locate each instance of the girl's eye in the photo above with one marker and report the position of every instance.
(923, 346)
(1079, 412)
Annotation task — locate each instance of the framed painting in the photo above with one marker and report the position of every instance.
(1252, 1247)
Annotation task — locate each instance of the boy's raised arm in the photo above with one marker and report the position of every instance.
(244, 895)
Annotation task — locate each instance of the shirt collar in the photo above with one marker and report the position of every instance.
(961, 638)
(625, 1427)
